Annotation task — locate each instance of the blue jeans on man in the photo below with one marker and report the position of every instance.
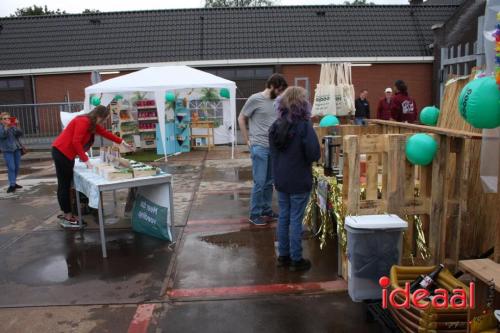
(12, 160)
(360, 121)
(292, 207)
(262, 191)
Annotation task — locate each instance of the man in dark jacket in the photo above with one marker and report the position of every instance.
(362, 108)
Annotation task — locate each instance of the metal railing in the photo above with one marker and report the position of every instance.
(41, 123)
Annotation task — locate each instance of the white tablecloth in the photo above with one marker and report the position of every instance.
(87, 182)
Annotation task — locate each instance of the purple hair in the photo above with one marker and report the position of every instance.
(294, 112)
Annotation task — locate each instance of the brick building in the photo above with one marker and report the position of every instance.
(50, 58)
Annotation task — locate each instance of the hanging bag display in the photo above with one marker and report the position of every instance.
(324, 97)
(344, 90)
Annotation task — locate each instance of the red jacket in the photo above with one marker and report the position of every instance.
(404, 108)
(76, 136)
(384, 109)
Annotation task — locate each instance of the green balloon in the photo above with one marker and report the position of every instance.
(118, 97)
(170, 96)
(420, 149)
(95, 101)
(224, 92)
(329, 120)
(429, 115)
(479, 103)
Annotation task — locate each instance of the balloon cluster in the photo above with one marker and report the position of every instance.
(329, 120)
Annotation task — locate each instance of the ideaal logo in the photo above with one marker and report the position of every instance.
(441, 299)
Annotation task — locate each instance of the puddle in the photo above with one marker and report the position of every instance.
(237, 174)
(48, 270)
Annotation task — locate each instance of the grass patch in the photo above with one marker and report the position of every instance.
(144, 156)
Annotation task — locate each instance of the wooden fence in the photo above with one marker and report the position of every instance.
(437, 193)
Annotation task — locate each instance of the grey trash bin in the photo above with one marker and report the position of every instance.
(374, 244)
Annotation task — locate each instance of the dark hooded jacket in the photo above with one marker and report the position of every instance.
(294, 147)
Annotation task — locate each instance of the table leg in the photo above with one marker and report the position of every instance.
(79, 208)
(114, 199)
(101, 226)
(170, 195)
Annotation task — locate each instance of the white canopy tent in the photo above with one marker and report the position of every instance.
(159, 80)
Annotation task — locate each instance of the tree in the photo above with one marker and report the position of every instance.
(36, 11)
(90, 11)
(238, 3)
(358, 3)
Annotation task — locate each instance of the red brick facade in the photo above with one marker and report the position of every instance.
(375, 78)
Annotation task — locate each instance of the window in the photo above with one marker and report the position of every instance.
(304, 83)
(212, 111)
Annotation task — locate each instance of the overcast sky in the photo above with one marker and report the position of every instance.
(8, 7)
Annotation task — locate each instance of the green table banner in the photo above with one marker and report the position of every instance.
(150, 219)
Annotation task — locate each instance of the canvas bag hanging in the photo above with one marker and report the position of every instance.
(324, 97)
(344, 90)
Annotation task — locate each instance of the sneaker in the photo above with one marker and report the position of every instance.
(70, 224)
(61, 217)
(271, 217)
(17, 186)
(11, 189)
(258, 221)
(284, 261)
(301, 265)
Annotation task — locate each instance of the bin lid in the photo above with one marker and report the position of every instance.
(384, 221)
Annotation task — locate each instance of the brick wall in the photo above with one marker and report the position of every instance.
(375, 78)
(53, 88)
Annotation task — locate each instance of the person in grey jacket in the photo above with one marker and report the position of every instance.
(11, 149)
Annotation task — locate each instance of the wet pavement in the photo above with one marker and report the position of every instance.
(218, 276)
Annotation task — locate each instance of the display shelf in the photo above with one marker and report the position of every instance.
(206, 139)
(146, 107)
(145, 119)
(147, 130)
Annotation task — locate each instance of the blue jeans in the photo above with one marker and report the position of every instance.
(292, 207)
(359, 121)
(262, 192)
(12, 160)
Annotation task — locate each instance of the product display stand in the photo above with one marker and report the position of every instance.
(205, 140)
(147, 118)
(182, 127)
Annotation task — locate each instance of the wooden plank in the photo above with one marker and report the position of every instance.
(371, 176)
(437, 225)
(372, 143)
(483, 269)
(395, 171)
(428, 129)
(425, 180)
(367, 207)
(461, 194)
(351, 186)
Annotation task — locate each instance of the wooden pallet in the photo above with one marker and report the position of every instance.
(391, 182)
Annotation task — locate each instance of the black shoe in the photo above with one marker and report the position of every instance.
(18, 186)
(11, 189)
(301, 265)
(284, 261)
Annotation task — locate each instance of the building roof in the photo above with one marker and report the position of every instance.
(162, 36)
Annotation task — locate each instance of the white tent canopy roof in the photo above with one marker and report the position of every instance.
(153, 78)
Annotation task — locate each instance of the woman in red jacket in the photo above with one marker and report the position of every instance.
(75, 140)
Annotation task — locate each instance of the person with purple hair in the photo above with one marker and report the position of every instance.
(294, 147)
